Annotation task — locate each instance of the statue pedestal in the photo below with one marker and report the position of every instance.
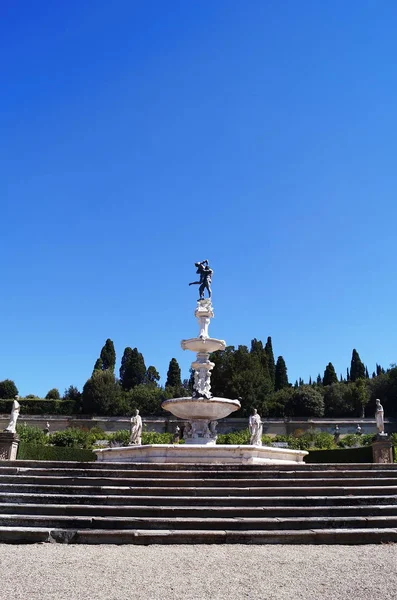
(8, 445)
(382, 450)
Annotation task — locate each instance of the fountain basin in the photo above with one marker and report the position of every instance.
(201, 408)
(203, 345)
(202, 454)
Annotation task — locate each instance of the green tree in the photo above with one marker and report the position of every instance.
(8, 389)
(147, 398)
(72, 393)
(173, 374)
(281, 377)
(357, 367)
(132, 369)
(275, 406)
(53, 394)
(102, 395)
(330, 375)
(270, 360)
(152, 376)
(360, 394)
(98, 365)
(305, 401)
(108, 356)
(338, 401)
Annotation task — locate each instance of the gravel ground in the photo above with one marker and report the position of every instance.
(44, 571)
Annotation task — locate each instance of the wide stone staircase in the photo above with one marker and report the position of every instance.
(127, 503)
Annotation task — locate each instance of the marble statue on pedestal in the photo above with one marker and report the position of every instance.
(255, 426)
(136, 430)
(11, 427)
(379, 418)
(177, 435)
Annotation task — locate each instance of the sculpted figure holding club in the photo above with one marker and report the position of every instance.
(205, 272)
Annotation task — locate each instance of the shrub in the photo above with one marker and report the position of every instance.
(32, 435)
(236, 437)
(120, 437)
(40, 406)
(72, 437)
(151, 437)
(340, 455)
(35, 452)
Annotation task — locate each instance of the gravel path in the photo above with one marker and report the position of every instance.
(51, 571)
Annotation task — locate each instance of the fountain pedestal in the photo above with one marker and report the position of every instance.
(202, 411)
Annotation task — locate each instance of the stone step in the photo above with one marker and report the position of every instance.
(194, 467)
(196, 474)
(177, 490)
(52, 480)
(174, 536)
(95, 510)
(194, 523)
(180, 500)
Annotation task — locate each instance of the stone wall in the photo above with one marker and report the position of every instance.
(164, 424)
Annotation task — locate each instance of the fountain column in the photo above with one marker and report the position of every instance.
(201, 411)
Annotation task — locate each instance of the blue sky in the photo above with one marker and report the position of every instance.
(138, 137)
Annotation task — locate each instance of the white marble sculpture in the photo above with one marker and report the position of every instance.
(11, 427)
(380, 425)
(255, 427)
(136, 430)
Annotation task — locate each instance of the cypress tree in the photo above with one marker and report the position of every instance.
(281, 377)
(330, 375)
(379, 370)
(173, 374)
(366, 373)
(271, 366)
(310, 380)
(152, 375)
(357, 368)
(98, 365)
(347, 374)
(108, 356)
(319, 379)
(132, 369)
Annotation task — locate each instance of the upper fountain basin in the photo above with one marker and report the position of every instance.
(201, 408)
(203, 344)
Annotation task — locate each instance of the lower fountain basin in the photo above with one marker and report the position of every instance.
(201, 408)
(199, 454)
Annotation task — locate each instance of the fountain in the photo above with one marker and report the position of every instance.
(201, 411)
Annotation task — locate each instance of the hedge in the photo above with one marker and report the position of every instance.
(34, 452)
(40, 406)
(340, 455)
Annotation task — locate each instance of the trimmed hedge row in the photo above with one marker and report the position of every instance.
(31, 406)
(340, 455)
(35, 452)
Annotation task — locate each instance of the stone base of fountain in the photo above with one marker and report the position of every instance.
(219, 454)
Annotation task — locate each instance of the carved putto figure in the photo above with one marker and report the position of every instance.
(205, 272)
(136, 430)
(255, 426)
(379, 417)
(11, 427)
